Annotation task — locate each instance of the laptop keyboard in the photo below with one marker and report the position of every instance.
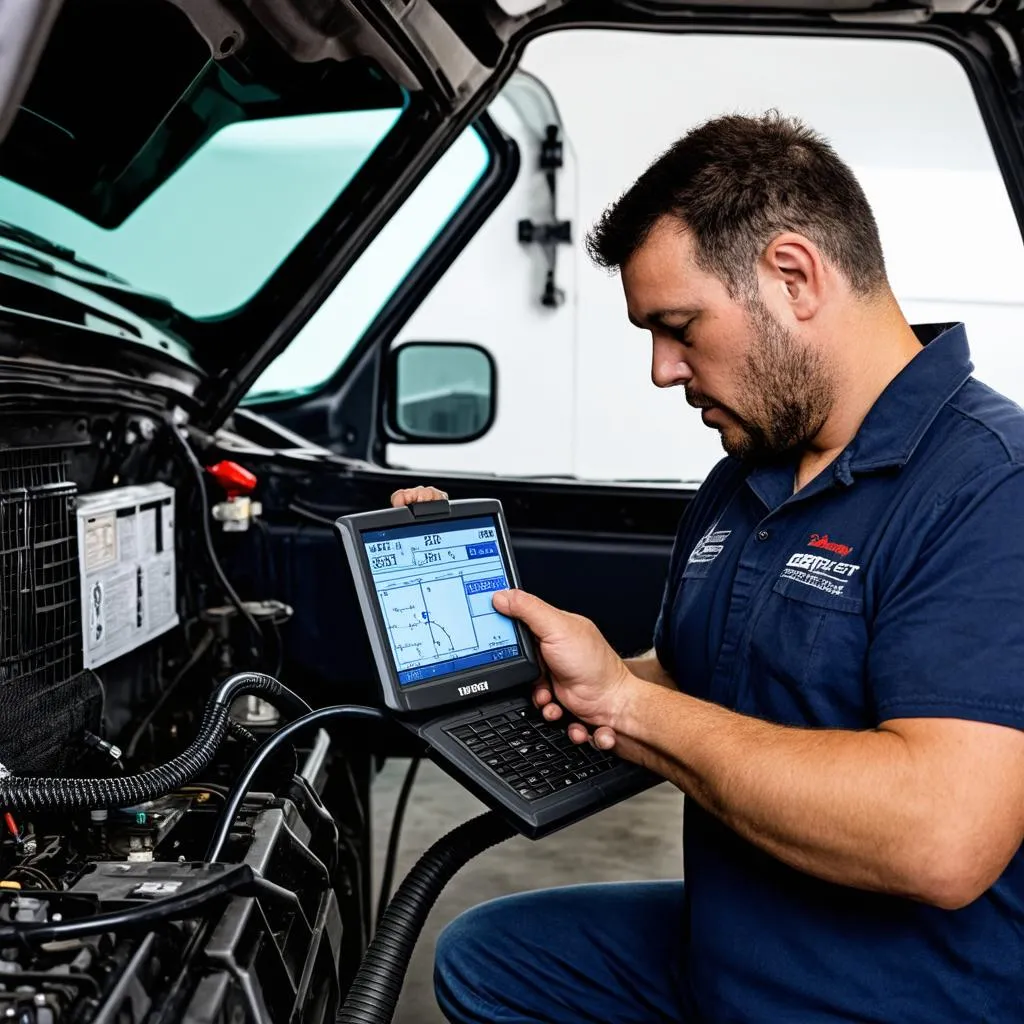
(532, 755)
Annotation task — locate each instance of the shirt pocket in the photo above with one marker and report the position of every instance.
(808, 659)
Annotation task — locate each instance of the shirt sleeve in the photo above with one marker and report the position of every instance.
(948, 636)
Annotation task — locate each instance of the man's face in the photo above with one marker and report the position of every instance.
(763, 389)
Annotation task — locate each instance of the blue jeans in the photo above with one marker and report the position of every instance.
(606, 954)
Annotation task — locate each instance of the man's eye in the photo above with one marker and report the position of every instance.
(681, 334)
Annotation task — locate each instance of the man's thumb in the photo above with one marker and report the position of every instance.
(541, 618)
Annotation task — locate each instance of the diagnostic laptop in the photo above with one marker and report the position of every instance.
(460, 675)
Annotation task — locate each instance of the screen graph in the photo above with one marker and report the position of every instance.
(435, 585)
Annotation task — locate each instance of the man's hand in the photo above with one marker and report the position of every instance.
(412, 495)
(584, 674)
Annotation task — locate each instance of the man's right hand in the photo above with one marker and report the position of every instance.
(412, 495)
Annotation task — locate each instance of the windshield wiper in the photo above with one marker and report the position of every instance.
(16, 233)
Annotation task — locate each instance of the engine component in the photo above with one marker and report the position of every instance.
(127, 566)
(256, 941)
(239, 510)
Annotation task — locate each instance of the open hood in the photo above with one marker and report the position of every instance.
(127, 171)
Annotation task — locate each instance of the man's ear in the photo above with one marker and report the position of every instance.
(793, 274)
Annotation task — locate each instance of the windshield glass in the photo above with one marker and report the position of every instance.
(211, 235)
(335, 328)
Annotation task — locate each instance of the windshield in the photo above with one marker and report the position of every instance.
(210, 236)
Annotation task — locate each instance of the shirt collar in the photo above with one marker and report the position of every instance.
(893, 426)
(905, 410)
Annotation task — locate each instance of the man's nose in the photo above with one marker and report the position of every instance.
(669, 366)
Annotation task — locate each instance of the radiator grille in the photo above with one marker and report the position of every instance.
(40, 618)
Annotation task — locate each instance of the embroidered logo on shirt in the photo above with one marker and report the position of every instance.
(709, 547)
(821, 540)
(825, 574)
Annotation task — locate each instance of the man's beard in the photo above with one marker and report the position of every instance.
(787, 392)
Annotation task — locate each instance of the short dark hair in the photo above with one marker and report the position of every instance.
(736, 183)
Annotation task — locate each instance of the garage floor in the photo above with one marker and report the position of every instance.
(638, 839)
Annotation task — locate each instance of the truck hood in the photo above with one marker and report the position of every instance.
(106, 103)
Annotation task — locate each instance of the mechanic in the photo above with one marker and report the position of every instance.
(837, 678)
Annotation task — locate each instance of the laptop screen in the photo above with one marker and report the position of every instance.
(434, 584)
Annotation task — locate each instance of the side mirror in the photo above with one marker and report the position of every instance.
(440, 392)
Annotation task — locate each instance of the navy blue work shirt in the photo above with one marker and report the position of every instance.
(891, 586)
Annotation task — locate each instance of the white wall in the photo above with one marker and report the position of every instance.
(575, 393)
(490, 295)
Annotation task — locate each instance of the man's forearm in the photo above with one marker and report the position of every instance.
(844, 806)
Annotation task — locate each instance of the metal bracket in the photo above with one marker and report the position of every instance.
(558, 233)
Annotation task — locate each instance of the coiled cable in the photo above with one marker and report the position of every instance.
(50, 794)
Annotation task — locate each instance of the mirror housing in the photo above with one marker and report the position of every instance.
(439, 392)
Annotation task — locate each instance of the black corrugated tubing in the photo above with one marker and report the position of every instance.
(28, 793)
(378, 982)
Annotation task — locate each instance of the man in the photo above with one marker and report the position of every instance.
(837, 678)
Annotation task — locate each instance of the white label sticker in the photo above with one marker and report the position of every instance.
(100, 542)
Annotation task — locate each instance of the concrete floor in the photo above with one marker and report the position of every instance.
(638, 839)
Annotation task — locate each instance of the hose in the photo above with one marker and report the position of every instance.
(48, 794)
(237, 793)
(378, 982)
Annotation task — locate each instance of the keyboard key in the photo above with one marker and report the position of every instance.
(530, 793)
(564, 781)
(462, 732)
(531, 749)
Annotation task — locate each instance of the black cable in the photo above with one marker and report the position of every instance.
(204, 514)
(44, 794)
(374, 992)
(239, 732)
(388, 874)
(241, 880)
(241, 786)
(312, 516)
(35, 873)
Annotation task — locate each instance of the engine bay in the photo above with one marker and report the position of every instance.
(120, 626)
